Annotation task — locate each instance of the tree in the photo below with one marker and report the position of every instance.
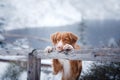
(103, 71)
(12, 72)
(82, 27)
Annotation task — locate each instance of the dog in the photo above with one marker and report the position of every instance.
(65, 41)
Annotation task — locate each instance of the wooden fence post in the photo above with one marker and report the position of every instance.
(34, 66)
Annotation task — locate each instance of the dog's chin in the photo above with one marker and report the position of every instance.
(59, 50)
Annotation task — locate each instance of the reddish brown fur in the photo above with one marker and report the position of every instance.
(75, 65)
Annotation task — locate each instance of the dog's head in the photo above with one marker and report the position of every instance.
(59, 39)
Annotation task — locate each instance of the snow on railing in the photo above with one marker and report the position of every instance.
(95, 54)
(33, 57)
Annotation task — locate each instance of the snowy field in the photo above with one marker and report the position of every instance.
(20, 14)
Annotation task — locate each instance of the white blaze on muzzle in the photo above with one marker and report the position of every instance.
(59, 46)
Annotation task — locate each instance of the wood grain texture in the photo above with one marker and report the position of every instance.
(97, 54)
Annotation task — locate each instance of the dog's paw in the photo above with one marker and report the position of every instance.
(68, 47)
(48, 49)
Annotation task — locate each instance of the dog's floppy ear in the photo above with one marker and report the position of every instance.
(73, 37)
(54, 37)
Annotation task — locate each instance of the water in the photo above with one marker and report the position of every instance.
(96, 33)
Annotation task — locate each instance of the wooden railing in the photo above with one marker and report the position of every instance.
(33, 57)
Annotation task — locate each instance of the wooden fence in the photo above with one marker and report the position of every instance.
(33, 57)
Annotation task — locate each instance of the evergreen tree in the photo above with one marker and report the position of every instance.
(12, 72)
(103, 71)
(82, 27)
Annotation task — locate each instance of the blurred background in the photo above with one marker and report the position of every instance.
(27, 24)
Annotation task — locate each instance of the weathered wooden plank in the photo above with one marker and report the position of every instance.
(103, 54)
(34, 67)
(97, 54)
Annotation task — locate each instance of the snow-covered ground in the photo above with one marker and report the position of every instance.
(3, 67)
(44, 76)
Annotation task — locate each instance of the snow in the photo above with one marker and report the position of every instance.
(3, 67)
(102, 9)
(44, 75)
(53, 13)
(86, 65)
(17, 58)
(2, 38)
(23, 76)
(112, 43)
(22, 43)
(34, 13)
(46, 61)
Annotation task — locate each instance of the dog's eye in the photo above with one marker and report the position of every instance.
(57, 40)
(66, 39)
